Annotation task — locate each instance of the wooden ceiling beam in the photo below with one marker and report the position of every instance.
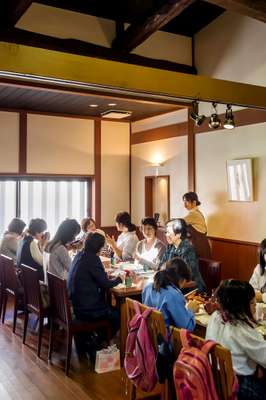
(11, 11)
(73, 46)
(251, 8)
(115, 76)
(138, 32)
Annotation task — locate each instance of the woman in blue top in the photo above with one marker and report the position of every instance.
(165, 295)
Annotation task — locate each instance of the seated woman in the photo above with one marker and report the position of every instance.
(149, 250)
(88, 225)
(88, 281)
(55, 256)
(258, 278)
(179, 246)
(125, 246)
(165, 295)
(30, 247)
(9, 242)
(234, 328)
(196, 223)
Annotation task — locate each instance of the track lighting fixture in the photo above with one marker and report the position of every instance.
(229, 122)
(214, 122)
(194, 115)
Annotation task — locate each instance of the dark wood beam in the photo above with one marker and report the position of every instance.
(11, 11)
(252, 8)
(138, 32)
(73, 46)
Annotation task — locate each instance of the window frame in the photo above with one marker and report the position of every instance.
(57, 178)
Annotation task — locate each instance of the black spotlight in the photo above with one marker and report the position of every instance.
(194, 115)
(229, 122)
(214, 122)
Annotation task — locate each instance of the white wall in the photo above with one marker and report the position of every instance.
(67, 24)
(173, 154)
(232, 47)
(233, 220)
(167, 46)
(115, 148)
(60, 145)
(9, 142)
(158, 121)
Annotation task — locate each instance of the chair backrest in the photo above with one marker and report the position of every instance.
(155, 321)
(9, 274)
(1, 272)
(31, 284)
(221, 363)
(59, 303)
(211, 273)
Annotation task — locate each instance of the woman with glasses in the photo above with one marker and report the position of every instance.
(180, 246)
(149, 250)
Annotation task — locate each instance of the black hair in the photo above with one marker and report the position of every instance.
(94, 243)
(179, 226)
(37, 225)
(66, 233)
(175, 270)
(262, 252)
(149, 221)
(16, 226)
(124, 218)
(192, 196)
(86, 222)
(234, 299)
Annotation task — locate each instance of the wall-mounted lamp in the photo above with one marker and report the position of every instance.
(214, 122)
(194, 115)
(229, 122)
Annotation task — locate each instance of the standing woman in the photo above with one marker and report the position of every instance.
(197, 227)
(125, 246)
(180, 246)
(55, 256)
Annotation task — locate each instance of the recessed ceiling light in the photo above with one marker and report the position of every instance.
(111, 104)
(94, 105)
(116, 114)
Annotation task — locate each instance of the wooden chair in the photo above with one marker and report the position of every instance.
(211, 273)
(221, 363)
(33, 301)
(10, 288)
(156, 325)
(60, 314)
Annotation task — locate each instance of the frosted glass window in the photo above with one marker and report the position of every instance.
(53, 201)
(7, 203)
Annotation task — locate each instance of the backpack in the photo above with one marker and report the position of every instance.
(193, 376)
(139, 362)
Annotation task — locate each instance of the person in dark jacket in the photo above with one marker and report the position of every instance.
(29, 250)
(87, 284)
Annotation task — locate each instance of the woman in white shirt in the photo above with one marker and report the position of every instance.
(234, 328)
(125, 246)
(258, 278)
(149, 250)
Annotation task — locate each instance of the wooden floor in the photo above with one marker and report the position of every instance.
(25, 377)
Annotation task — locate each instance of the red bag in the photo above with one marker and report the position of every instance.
(140, 359)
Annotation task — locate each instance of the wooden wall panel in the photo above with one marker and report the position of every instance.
(238, 258)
